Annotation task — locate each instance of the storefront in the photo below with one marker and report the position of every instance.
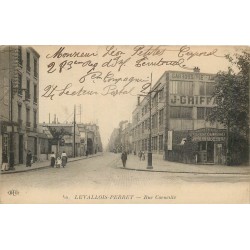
(211, 145)
(202, 146)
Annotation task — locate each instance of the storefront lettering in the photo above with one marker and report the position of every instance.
(191, 76)
(192, 100)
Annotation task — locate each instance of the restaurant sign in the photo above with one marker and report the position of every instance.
(209, 134)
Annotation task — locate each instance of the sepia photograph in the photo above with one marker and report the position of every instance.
(124, 124)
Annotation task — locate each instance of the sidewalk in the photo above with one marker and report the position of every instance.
(159, 165)
(43, 164)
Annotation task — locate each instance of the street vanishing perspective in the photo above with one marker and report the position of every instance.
(124, 124)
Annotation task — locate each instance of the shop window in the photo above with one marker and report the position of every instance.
(203, 112)
(210, 88)
(181, 112)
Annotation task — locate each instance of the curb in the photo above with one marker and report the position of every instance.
(44, 167)
(180, 172)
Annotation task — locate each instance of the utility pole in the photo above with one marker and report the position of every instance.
(80, 113)
(150, 128)
(74, 139)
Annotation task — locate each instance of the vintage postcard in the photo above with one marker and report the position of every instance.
(124, 124)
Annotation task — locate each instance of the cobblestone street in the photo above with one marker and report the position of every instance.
(103, 180)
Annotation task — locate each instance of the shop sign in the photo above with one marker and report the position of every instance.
(190, 76)
(192, 100)
(209, 134)
(170, 140)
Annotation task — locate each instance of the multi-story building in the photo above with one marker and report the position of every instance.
(180, 102)
(19, 98)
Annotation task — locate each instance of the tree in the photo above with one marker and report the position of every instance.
(232, 109)
(58, 135)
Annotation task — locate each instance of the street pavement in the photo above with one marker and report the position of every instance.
(43, 164)
(159, 165)
(103, 180)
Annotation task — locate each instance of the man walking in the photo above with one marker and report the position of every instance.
(124, 158)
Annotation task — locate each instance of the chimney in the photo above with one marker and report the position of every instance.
(196, 69)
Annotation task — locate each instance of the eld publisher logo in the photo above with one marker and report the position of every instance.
(13, 192)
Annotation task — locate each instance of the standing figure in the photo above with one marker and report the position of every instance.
(124, 158)
(5, 162)
(52, 160)
(140, 154)
(143, 156)
(87, 153)
(58, 162)
(64, 159)
(28, 159)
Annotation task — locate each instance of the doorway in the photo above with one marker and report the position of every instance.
(20, 149)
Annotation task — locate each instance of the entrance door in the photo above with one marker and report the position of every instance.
(20, 149)
(210, 151)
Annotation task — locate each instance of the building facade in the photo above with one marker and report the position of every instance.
(180, 102)
(19, 101)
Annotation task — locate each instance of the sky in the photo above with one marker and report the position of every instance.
(102, 68)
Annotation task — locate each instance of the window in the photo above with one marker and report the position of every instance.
(161, 142)
(173, 87)
(19, 113)
(154, 143)
(27, 117)
(160, 94)
(20, 61)
(210, 88)
(28, 61)
(186, 112)
(35, 68)
(203, 112)
(175, 112)
(181, 88)
(35, 93)
(181, 112)
(20, 84)
(202, 88)
(35, 123)
(161, 117)
(155, 100)
(155, 120)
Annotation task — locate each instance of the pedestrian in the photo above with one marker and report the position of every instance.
(29, 159)
(124, 158)
(87, 153)
(52, 160)
(58, 162)
(143, 156)
(140, 154)
(64, 159)
(5, 166)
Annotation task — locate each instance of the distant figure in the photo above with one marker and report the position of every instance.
(58, 162)
(64, 159)
(28, 159)
(143, 156)
(87, 153)
(140, 154)
(5, 163)
(124, 159)
(134, 152)
(52, 160)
